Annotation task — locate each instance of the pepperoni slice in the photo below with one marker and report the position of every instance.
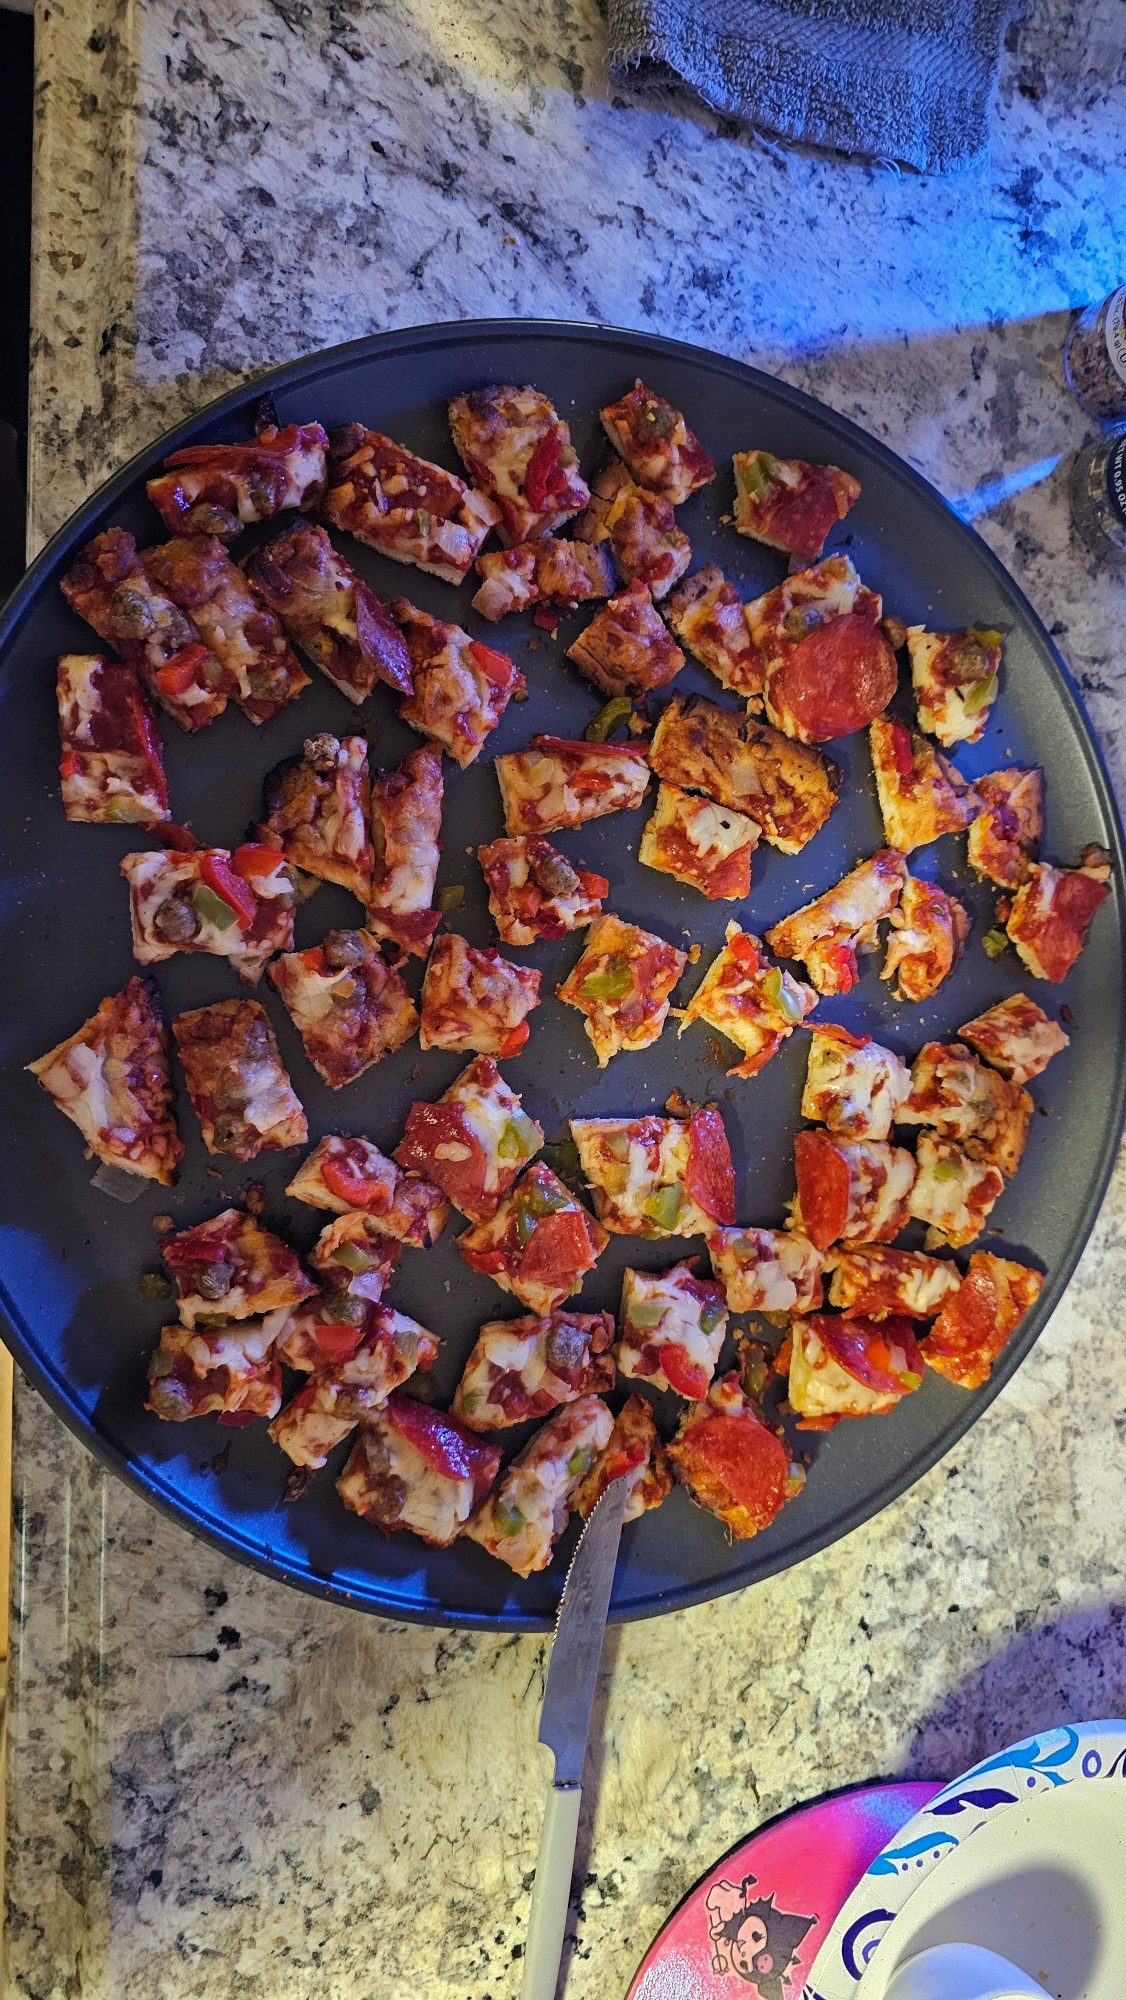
(437, 1142)
(862, 1347)
(823, 1187)
(736, 1462)
(709, 1177)
(800, 517)
(687, 1377)
(836, 680)
(1058, 937)
(558, 1250)
(442, 1441)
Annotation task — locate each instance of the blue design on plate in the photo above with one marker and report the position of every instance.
(1092, 1764)
(988, 1796)
(1030, 1757)
(888, 1862)
(851, 1941)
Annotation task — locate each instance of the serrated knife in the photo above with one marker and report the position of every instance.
(568, 1696)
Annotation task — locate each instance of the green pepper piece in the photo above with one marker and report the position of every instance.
(663, 1207)
(617, 1145)
(608, 719)
(154, 1285)
(908, 1380)
(612, 984)
(470, 1402)
(579, 1461)
(541, 1201)
(423, 518)
(646, 1313)
(451, 897)
(979, 697)
(508, 1518)
(525, 1225)
(211, 1322)
(994, 942)
(562, 1157)
(945, 1170)
(211, 909)
(710, 1318)
(985, 636)
(519, 1138)
(755, 1377)
(779, 995)
(353, 1258)
(160, 1365)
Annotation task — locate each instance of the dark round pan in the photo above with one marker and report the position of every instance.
(71, 1256)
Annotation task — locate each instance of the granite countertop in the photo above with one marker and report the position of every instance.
(219, 1788)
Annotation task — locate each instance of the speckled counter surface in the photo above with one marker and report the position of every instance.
(218, 1788)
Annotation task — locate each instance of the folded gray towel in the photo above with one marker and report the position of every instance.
(903, 80)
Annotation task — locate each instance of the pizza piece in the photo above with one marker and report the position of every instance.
(627, 647)
(232, 1373)
(417, 1468)
(1052, 910)
(406, 825)
(317, 808)
(348, 1005)
(354, 1258)
(528, 1508)
(330, 612)
(921, 795)
(787, 787)
(827, 668)
(657, 1177)
(555, 783)
(108, 587)
(730, 1464)
(634, 1453)
(850, 1368)
(555, 576)
(218, 489)
(706, 614)
(656, 444)
(474, 1142)
(850, 1190)
(403, 506)
(111, 763)
(766, 1270)
(238, 1086)
(957, 1097)
(828, 933)
(351, 1175)
(754, 1003)
(875, 1281)
(622, 983)
(641, 529)
(929, 929)
(852, 1085)
(818, 595)
(1008, 830)
(238, 906)
(523, 1368)
(230, 1268)
(672, 1326)
(475, 1001)
(383, 1353)
(261, 670)
(514, 444)
(112, 1078)
(698, 842)
(974, 1327)
(953, 1194)
(461, 688)
(534, 892)
(789, 504)
(540, 1243)
(1015, 1037)
(956, 676)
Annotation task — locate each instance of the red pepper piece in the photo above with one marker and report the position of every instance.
(254, 858)
(496, 667)
(359, 1190)
(687, 1377)
(542, 469)
(337, 1343)
(178, 673)
(901, 750)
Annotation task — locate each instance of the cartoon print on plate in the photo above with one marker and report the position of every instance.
(753, 1938)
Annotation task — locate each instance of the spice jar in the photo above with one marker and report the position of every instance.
(1098, 494)
(1094, 357)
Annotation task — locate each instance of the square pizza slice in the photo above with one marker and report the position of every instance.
(635, 1454)
(351, 1176)
(238, 1086)
(1052, 911)
(530, 1505)
(921, 795)
(781, 618)
(417, 1468)
(406, 826)
(754, 1003)
(953, 1194)
(956, 677)
(640, 528)
(348, 1005)
(850, 1190)
(929, 928)
(957, 1097)
(697, 842)
(354, 1258)
(317, 808)
(515, 445)
(841, 1368)
(475, 1001)
(527, 1367)
(535, 893)
(730, 1463)
(788, 503)
(705, 613)
(238, 906)
(110, 759)
(1006, 834)
(1015, 1036)
(113, 1079)
(472, 1143)
(552, 575)
(766, 1270)
(404, 506)
(827, 934)
(627, 647)
(622, 983)
(384, 1353)
(330, 612)
(218, 489)
(261, 670)
(556, 783)
(672, 1326)
(539, 1244)
(660, 450)
(852, 1084)
(873, 1280)
(230, 1268)
(975, 1326)
(827, 666)
(656, 1177)
(232, 1373)
(789, 788)
(108, 587)
(461, 688)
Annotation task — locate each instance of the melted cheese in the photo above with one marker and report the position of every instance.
(820, 1387)
(766, 1270)
(856, 1092)
(527, 1511)
(678, 1325)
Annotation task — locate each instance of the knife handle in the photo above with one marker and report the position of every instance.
(551, 1893)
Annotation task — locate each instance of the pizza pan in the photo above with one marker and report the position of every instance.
(71, 1257)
